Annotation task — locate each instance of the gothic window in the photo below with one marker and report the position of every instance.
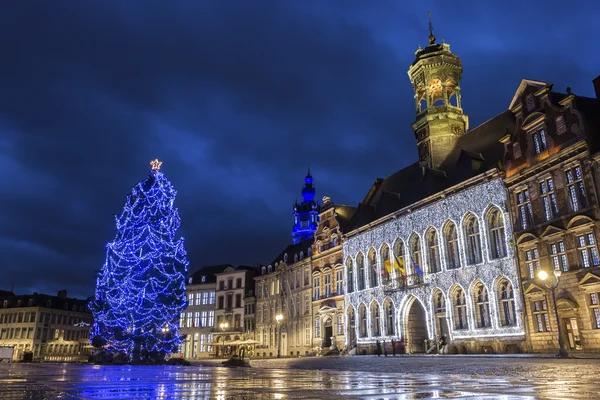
(386, 265)
(548, 198)
(375, 319)
(452, 250)
(433, 251)
(497, 237)
(351, 319)
(399, 260)
(473, 240)
(360, 265)
(372, 269)
(506, 298)
(588, 252)
(388, 307)
(532, 261)
(539, 141)
(559, 256)
(439, 307)
(524, 209)
(415, 254)
(482, 306)
(576, 189)
(460, 309)
(349, 275)
(540, 315)
(362, 317)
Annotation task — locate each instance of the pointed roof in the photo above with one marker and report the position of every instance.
(522, 86)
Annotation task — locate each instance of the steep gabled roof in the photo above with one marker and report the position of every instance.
(521, 89)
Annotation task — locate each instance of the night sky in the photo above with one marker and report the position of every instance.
(237, 98)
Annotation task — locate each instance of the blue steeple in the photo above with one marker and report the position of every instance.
(306, 214)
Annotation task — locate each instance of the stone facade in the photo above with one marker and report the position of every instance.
(552, 173)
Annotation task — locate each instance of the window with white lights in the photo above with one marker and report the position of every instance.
(548, 198)
(399, 260)
(327, 280)
(340, 324)
(460, 309)
(595, 309)
(197, 319)
(473, 239)
(339, 281)
(316, 288)
(375, 331)
(211, 298)
(372, 268)
(559, 256)
(182, 320)
(506, 306)
(588, 252)
(576, 188)
(189, 320)
(386, 265)
(539, 141)
(317, 328)
(524, 209)
(211, 318)
(482, 306)
(307, 333)
(198, 297)
(388, 308)
(497, 236)
(433, 251)
(540, 315)
(532, 261)
(451, 241)
(360, 273)
(415, 254)
(362, 317)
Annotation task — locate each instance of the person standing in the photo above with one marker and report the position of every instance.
(393, 348)
(378, 349)
(384, 348)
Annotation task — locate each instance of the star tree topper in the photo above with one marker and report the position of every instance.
(155, 164)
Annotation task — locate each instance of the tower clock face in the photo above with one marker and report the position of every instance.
(457, 130)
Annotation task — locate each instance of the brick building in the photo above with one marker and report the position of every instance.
(552, 171)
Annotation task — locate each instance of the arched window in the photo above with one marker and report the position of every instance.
(388, 308)
(460, 309)
(372, 269)
(351, 319)
(473, 240)
(399, 261)
(433, 251)
(451, 241)
(375, 331)
(349, 275)
(506, 298)
(415, 254)
(362, 317)
(386, 265)
(497, 238)
(360, 266)
(482, 306)
(439, 307)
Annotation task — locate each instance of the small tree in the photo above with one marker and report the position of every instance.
(140, 290)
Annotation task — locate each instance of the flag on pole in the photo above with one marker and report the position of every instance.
(418, 270)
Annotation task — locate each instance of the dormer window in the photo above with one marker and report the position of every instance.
(516, 150)
(18, 303)
(530, 103)
(539, 141)
(190, 281)
(30, 303)
(203, 279)
(285, 257)
(561, 126)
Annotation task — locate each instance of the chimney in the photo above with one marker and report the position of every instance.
(597, 87)
(62, 294)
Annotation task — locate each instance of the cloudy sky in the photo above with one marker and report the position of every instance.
(237, 98)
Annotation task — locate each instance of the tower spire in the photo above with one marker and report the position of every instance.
(431, 36)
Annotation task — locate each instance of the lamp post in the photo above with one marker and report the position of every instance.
(223, 326)
(278, 318)
(552, 284)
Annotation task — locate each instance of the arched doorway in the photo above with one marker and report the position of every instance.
(328, 332)
(415, 326)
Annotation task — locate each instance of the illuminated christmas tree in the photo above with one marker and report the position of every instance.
(140, 290)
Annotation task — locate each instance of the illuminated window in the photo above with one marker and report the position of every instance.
(559, 256)
(507, 304)
(588, 252)
(340, 324)
(197, 319)
(561, 127)
(473, 239)
(548, 198)
(372, 269)
(388, 307)
(360, 277)
(460, 309)
(576, 189)
(399, 260)
(595, 309)
(327, 279)
(433, 251)
(316, 287)
(362, 317)
(339, 282)
(482, 306)
(415, 254)
(532, 261)
(539, 141)
(317, 328)
(375, 331)
(386, 264)
(452, 252)
(524, 209)
(540, 315)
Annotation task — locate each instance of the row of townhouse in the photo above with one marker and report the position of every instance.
(488, 240)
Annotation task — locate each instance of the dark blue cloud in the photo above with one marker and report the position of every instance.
(237, 99)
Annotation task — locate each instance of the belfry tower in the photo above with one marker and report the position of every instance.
(440, 122)
(306, 214)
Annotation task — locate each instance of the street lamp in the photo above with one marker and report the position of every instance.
(278, 318)
(552, 284)
(223, 326)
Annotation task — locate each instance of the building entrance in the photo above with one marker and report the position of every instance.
(415, 327)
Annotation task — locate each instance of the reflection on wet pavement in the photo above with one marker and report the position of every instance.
(281, 380)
